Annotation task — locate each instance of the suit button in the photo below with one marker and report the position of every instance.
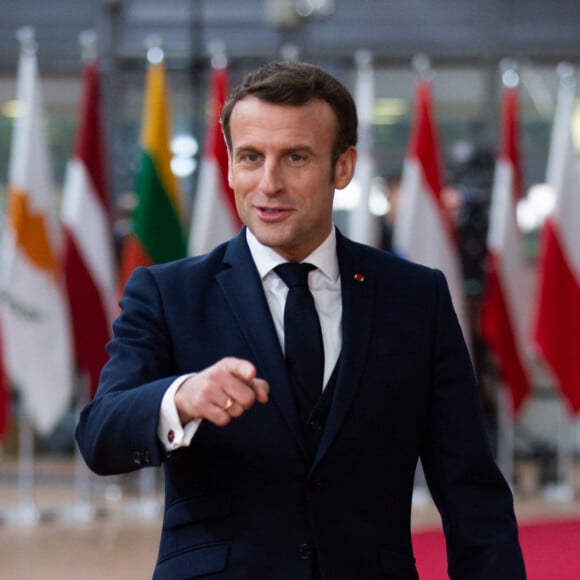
(315, 426)
(315, 482)
(141, 458)
(305, 551)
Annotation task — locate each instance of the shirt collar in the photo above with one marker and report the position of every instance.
(324, 257)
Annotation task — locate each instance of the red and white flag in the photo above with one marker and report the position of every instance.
(214, 217)
(557, 325)
(89, 261)
(423, 231)
(35, 317)
(505, 315)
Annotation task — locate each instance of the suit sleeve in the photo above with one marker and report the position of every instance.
(117, 431)
(472, 496)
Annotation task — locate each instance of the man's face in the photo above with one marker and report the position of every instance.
(280, 169)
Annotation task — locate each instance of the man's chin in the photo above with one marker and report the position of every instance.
(271, 235)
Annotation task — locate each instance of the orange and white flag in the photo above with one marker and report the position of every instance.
(35, 319)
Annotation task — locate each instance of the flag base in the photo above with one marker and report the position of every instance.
(25, 514)
(559, 492)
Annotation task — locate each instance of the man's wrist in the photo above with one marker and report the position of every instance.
(172, 431)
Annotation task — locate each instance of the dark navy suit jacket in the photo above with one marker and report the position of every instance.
(244, 502)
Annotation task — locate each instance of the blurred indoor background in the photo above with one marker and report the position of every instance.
(469, 46)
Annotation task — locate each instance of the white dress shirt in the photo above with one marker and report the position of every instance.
(324, 284)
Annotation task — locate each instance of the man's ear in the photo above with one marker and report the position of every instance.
(344, 168)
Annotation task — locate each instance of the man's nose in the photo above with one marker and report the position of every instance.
(271, 182)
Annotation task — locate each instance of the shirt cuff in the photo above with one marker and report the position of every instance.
(170, 431)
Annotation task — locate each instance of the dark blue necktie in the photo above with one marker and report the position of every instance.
(304, 350)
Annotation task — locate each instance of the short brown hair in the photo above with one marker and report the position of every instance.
(295, 84)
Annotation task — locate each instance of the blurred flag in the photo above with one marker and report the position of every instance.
(35, 321)
(214, 218)
(157, 232)
(423, 231)
(557, 327)
(89, 262)
(363, 225)
(505, 316)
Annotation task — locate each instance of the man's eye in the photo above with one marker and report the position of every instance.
(296, 158)
(250, 157)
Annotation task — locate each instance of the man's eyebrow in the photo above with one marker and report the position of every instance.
(299, 147)
(286, 151)
(245, 149)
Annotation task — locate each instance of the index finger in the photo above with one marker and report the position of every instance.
(246, 372)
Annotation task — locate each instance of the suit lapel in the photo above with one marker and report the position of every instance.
(244, 292)
(358, 302)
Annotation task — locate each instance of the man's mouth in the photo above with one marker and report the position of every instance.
(272, 213)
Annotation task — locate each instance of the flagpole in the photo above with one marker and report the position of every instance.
(421, 64)
(565, 436)
(147, 505)
(563, 489)
(82, 510)
(363, 225)
(504, 401)
(88, 44)
(505, 433)
(149, 502)
(26, 512)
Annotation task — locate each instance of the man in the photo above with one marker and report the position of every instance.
(262, 484)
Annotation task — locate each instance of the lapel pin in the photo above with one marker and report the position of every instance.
(359, 277)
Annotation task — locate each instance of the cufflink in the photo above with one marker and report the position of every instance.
(170, 435)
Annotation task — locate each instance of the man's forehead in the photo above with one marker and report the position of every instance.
(252, 102)
(253, 114)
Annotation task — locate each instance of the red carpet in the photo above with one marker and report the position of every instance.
(551, 551)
